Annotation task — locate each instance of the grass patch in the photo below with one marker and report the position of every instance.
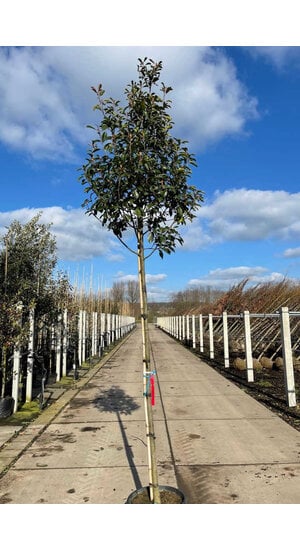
(264, 384)
(64, 381)
(26, 413)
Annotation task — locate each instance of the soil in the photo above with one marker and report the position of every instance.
(166, 497)
(268, 388)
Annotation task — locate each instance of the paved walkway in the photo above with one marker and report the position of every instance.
(214, 442)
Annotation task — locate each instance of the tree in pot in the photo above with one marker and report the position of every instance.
(136, 176)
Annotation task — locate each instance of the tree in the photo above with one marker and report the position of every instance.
(117, 296)
(132, 295)
(136, 176)
(27, 260)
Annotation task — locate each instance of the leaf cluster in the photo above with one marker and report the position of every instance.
(136, 172)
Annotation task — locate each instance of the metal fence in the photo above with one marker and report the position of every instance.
(253, 337)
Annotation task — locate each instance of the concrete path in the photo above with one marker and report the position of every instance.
(214, 442)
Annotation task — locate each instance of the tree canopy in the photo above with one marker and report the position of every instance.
(28, 257)
(136, 172)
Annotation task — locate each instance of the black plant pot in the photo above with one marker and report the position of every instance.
(168, 495)
(6, 406)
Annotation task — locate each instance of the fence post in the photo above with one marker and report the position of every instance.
(194, 331)
(287, 357)
(17, 364)
(225, 340)
(94, 332)
(211, 336)
(248, 347)
(179, 327)
(58, 348)
(201, 333)
(84, 319)
(187, 329)
(16, 376)
(108, 328)
(80, 337)
(65, 342)
(29, 377)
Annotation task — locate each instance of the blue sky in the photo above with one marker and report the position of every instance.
(239, 108)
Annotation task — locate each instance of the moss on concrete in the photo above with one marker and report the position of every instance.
(26, 413)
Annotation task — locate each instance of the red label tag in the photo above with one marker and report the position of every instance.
(152, 390)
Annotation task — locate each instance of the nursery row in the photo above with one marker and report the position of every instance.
(247, 341)
(51, 350)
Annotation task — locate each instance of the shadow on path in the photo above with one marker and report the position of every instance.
(116, 401)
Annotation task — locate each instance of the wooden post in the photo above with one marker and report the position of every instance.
(151, 444)
(225, 340)
(287, 357)
(248, 347)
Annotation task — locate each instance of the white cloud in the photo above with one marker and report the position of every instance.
(46, 100)
(225, 278)
(36, 116)
(235, 215)
(149, 278)
(245, 215)
(292, 253)
(280, 57)
(78, 236)
(154, 292)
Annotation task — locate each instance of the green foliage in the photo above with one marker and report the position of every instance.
(27, 260)
(136, 173)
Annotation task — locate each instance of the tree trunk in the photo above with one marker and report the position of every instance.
(153, 477)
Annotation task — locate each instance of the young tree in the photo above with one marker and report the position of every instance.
(27, 260)
(132, 295)
(136, 176)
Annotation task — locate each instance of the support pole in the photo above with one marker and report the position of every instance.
(225, 340)
(58, 349)
(151, 445)
(65, 343)
(287, 357)
(17, 363)
(248, 347)
(29, 377)
(211, 336)
(194, 331)
(16, 376)
(80, 337)
(201, 333)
